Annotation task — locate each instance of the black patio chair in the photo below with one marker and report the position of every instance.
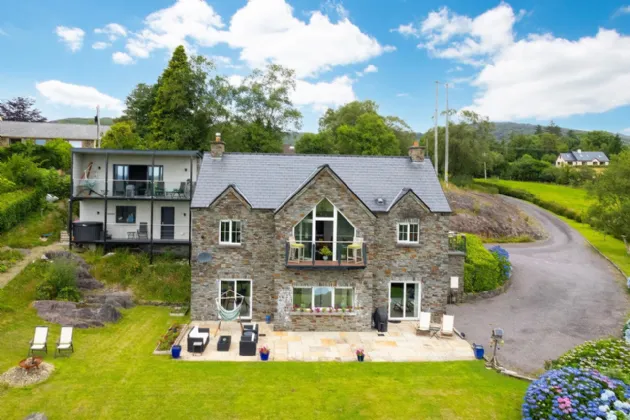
(143, 232)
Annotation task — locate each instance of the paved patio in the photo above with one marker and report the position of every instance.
(399, 344)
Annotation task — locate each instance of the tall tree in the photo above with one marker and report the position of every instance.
(539, 129)
(553, 129)
(311, 143)
(19, 109)
(369, 136)
(122, 135)
(139, 104)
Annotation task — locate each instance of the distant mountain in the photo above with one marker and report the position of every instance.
(85, 121)
(504, 129)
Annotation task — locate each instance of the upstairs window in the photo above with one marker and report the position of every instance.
(409, 232)
(230, 232)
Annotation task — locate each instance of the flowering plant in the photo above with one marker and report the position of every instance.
(264, 350)
(570, 393)
(626, 330)
(360, 352)
(606, 355)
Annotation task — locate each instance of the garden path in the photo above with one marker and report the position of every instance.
(33, 254)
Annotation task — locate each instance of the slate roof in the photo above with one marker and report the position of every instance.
(579, 156)
(45, 130)
(267, 180)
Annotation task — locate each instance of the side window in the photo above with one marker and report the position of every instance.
(230, 232)
(409, 232)
(125, 214)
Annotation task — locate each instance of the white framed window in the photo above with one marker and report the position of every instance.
(312, 297)
(230, 232)
(409, 232)
(237, 291)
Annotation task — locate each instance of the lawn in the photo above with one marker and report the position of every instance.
(112, 374)
(576, 199)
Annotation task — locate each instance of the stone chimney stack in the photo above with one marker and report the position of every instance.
(217, 148)
(416, 152)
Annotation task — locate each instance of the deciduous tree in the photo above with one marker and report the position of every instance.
(20, 109)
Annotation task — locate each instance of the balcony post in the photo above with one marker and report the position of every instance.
(105, 204)
(151, 232)
(70, 201)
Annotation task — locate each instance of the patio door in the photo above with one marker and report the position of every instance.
(404, 300)
(242, 287)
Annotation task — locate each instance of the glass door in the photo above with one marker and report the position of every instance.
(404, 300)
(242, 287)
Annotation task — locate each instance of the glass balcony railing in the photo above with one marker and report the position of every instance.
(321, 254)
(177, 190)
(129, 232)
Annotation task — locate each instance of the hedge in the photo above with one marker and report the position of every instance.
(6, 185)
(16, 205)
(527, 196)
(483, 270)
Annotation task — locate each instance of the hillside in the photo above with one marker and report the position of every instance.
(85, 121)
(503, 129)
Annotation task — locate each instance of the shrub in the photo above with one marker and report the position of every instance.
(482, 269)
(570, 393)
(6, 185)
(60, 283)
(8, 259)
(504, 261)
(69, 293)
(611, 356)
(16, 205)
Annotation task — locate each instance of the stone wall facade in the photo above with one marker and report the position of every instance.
(261, 257)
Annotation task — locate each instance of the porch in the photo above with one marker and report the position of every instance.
(399, 344)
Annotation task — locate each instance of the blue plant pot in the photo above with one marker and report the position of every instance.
(264, 356)
(360, 358)
(176, 351)
(268, 319)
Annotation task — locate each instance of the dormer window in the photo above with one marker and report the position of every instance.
(409, 232)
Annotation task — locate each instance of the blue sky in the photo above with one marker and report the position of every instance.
(528, 61)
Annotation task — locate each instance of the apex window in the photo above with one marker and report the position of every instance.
(230, 232)
(409, 232)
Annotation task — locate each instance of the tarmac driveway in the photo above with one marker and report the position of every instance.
(563, 293)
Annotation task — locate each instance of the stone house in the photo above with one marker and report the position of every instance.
(318, 242)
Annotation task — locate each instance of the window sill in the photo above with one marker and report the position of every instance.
(230, 245)
(408, 245)
(293, 313)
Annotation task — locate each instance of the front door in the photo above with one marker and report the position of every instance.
(243, 288)
(404, 300)
(167, 228)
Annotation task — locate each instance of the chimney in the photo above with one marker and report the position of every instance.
(217, 148)
(416, 152)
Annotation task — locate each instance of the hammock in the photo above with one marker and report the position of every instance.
(229, 314)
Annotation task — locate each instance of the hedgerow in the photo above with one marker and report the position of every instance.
(483, 270)
(16, 205)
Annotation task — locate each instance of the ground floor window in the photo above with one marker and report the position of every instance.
(404, 299)
(323, 297)
(229, 300)
(125, 214)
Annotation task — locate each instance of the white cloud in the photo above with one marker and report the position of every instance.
(623, 10)
(72, 37)
(370, 69)
(454, 69)
(78, 96)
(626, 130)
(101, 45)
(324, 95)
(224, 61)
(113, 31)
(235, 80)
(122, 58)
(403, 94)
(406, 30)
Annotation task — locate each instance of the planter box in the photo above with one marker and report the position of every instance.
(323, 313)
(178, 340)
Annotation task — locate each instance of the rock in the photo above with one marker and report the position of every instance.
(85, 281)
(36, 416)
(68, 313)
(116, 299)
(69, 256)
(107, 313)
(43, 257)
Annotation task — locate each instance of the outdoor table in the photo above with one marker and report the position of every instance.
(224, 343)
(434, 330)
(197, 347)
(131, 235)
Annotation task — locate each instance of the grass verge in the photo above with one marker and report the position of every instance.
(28, 233)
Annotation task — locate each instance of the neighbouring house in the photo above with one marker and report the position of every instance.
(579, 158)
(297, 235)
(133, 198)
(12, 132)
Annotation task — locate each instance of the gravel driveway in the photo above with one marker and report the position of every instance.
(563, 293)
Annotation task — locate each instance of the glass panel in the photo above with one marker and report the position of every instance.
(245, 288)
(304, 230)
(325, 209)
(125, 214)
(225, 231)
(413, 232)
(155, 173)
(302, 297)
(323, 297)
(343, 298)
(412, 298)
(236, 232)
(402, 232)
(345, 231)
(324, 238)
(227, 301)
(396, 300)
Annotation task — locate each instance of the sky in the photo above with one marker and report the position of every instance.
(527, 61)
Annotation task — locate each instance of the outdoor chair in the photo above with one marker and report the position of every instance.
(297, 248)
(180, 192)
(448, 322)
(356, 250)
(251, 327)
(65, 341)
(159, 189)
(247, 345)
(424, 325)
(143, 232)
(198, 335)
(38, 343)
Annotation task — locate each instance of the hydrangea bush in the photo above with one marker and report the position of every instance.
(626, 331)
(608, 355)
(570, 393)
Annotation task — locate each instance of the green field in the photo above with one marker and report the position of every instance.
(113, 375)
(576, 199)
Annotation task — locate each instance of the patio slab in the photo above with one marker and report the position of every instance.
(400, 344)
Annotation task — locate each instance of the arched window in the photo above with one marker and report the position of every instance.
(325, 231)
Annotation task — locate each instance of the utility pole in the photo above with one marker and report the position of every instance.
(485, 174)
(435, 129)
(446, 140)
(98, 127)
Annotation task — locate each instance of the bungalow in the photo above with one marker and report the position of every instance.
(579, 158)
(318, 242)
(81, 135)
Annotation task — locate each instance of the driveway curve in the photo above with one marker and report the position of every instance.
(562, 294)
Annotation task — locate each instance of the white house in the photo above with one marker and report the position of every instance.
(579, 158)
(83, 135)
(137, 198)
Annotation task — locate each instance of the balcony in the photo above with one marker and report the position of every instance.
(456, 242)
(132, 189)
(129, 233)
(314, 256)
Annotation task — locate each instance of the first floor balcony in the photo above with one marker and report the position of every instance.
(132, 233)
(132, 189)
(325, 255)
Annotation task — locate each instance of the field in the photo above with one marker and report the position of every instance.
(113, 375)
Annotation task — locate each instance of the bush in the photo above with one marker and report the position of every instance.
(611, 356)
(527, 169)
(482, 269)
(570, 393)
(504, 261)
(60, 283)
(8, 258)
(6, 185)
(16, 205)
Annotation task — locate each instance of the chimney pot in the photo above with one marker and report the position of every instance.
(416, 152)
(217, 148)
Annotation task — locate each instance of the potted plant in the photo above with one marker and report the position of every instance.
(360, 355)
(325, 252)
(264, 353)
(176, 351)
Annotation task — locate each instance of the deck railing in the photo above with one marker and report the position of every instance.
(295, 257)
(95, 188)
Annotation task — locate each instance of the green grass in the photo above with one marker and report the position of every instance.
(113, 375)
(27, 234)
(507, 239)
(576, 199)
(8, 258)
